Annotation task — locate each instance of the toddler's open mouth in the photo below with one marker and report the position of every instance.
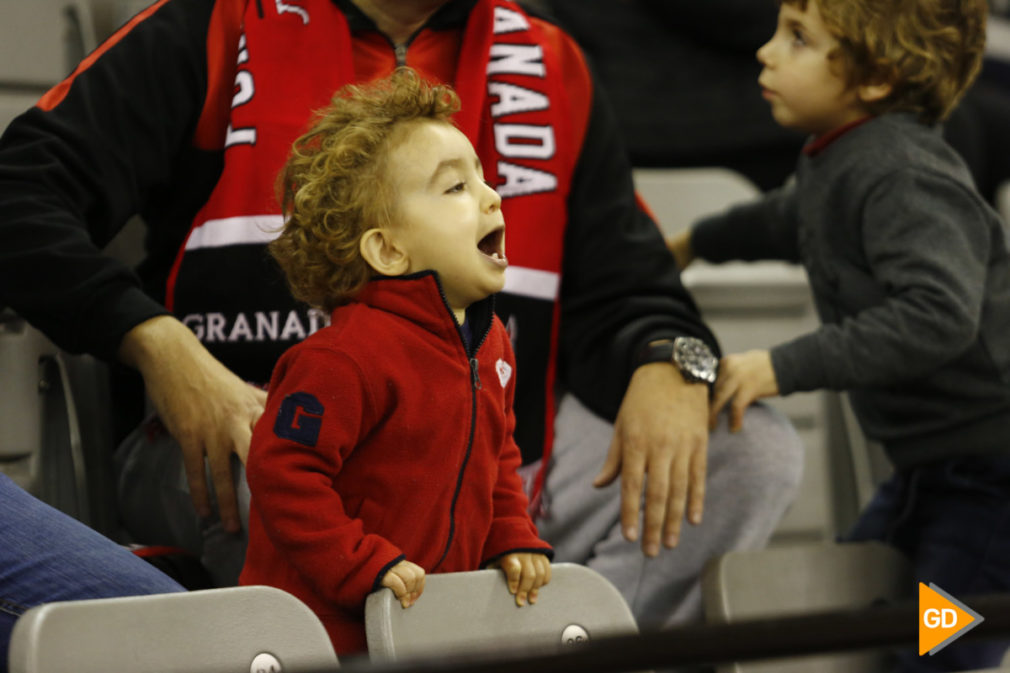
(492, 245)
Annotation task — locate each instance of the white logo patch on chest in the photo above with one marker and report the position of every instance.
(504, 370)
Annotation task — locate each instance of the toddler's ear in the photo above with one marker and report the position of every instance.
(875, 91)
(382, 252)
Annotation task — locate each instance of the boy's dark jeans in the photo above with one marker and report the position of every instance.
(952, 519)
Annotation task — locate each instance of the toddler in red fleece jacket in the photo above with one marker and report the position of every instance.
(385, 451)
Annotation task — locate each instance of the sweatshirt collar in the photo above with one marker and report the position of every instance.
(419, 298)
(820, 143)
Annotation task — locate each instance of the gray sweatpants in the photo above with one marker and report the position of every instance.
(752, 477)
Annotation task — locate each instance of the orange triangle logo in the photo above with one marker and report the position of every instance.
(942, 619)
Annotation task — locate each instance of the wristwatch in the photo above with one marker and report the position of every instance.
(690, 355)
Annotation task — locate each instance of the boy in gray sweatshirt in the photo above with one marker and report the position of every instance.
(910, 274)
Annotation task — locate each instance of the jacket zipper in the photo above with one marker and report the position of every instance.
(475, 385)
(400, 50)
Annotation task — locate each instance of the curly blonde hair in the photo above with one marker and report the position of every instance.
(930, 51)
(334, 186)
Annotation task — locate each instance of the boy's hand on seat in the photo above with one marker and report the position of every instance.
(406, 579)
(743, 378)
(525, 573)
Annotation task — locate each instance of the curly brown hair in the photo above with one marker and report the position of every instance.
(334, 186)
(930, 51)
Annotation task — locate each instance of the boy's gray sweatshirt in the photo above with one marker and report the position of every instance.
(910, 273)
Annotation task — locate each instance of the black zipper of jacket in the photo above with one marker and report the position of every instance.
(400, 50)
(475, 385)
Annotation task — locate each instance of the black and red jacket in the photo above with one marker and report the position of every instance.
(386, 436)
(139, 128)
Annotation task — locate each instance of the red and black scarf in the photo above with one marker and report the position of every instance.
(292, 56)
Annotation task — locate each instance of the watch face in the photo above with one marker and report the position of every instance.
(695, 359)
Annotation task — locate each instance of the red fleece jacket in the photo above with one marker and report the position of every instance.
(385, 437)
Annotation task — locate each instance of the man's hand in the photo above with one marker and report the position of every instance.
(207, 409)
(743, 378)
(661, 431)
(680, 246)
(406, 579)
(525, 573)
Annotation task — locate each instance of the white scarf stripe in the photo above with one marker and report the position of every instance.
(534, 283)
(242, 230)
(261, 229)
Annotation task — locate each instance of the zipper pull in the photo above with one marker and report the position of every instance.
(401, 54)
(475, 377)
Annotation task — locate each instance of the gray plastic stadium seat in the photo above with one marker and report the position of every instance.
(40, 43)
(41, 446)
(804, 579)
(234, 630)
(57, 438)
(473, 611)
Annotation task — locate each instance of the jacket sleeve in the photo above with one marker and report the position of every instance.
(927, 244)
(512, 529)
(76, 166)
(620, 287)
(763, 229)
(317, 411)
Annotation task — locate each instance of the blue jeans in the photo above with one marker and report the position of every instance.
(952, 519)
(47, 556)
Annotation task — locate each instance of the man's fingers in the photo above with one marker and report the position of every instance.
(192, 460)
(699, 475)
(676, 502)
(224, 489)
(632, 476)
(657, 494)
(242, 437)
(611, 466)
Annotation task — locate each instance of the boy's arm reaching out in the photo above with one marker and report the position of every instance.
(757, 230)
(926, 243)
